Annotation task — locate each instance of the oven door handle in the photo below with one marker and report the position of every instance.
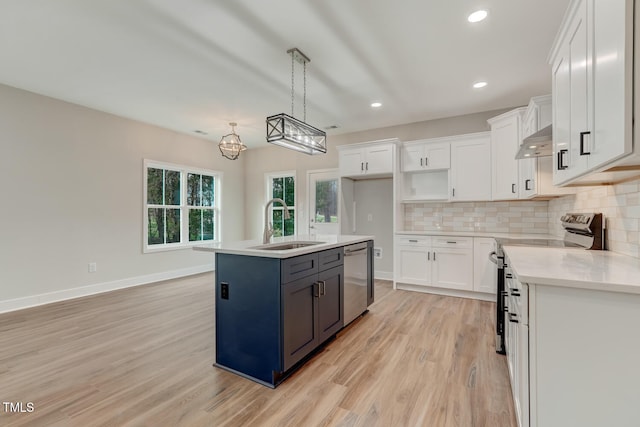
(493, 257)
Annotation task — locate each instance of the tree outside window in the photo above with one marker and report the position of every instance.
(180, 205)
(282, 186)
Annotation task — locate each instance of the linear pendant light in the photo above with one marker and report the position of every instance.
(287, 131)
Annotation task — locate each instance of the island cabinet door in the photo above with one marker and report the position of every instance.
(330, 302)
(299, 314)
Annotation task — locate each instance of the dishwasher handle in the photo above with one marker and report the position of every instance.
(355, 249)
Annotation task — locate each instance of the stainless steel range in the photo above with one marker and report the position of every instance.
(584, 230)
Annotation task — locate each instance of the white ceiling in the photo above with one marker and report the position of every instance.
(199, 64)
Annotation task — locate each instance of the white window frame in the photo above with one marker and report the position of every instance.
(268, 177)
(184, 208)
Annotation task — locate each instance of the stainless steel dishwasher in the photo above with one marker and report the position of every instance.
(358, 280)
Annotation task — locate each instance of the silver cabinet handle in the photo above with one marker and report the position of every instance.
(361, 166)
(434, 255)
(316, 289)
(428, 256)
(323, 287)
(513, 188)
(367, 166)
(450, 241)
(413, 241)
(426, 161)
(420, 161)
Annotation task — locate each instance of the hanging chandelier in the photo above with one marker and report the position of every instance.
(230, 145)
(287, 131)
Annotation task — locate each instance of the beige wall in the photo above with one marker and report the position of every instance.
(72, 194)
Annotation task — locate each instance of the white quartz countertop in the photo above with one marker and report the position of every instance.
(576, 268)
(491, 234)
(248, 247)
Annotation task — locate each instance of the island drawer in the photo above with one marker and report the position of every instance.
(330, 258)
(299, 267)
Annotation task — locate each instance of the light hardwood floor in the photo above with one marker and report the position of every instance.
(143, 357)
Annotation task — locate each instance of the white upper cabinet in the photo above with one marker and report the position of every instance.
(471, 167)
(367, 160)
(592, 81)
(536, 173)
(505, 141)
(423, 155)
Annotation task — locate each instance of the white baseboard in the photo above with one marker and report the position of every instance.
(98, 288)
(383, 275)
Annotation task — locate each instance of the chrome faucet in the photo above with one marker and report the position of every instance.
(268, 226)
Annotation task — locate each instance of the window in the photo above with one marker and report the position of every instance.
(181, 206)
(282, 185)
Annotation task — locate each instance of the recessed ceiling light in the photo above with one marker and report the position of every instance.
(478, 85)
(376, 104)
(477, 16)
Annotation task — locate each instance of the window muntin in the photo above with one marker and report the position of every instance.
(282, 185)
(182, 206)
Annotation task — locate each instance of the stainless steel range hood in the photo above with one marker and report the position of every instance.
(536, 145)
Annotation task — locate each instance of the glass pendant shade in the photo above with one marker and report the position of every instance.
(289, 132)
(230, 145)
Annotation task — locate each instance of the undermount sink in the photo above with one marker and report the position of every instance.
(285, 245)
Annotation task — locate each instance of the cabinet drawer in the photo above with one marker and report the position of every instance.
(452, 242)
(413, 240)
(330, 258)
(299, 267)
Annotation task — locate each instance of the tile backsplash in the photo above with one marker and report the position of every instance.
(501, 217)
(620, 205)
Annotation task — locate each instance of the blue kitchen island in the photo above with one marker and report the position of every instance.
(276, 304)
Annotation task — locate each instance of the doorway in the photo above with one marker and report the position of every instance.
(323, 194)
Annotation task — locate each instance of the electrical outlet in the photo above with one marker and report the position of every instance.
(370, 217)
(93, 267)
(377, 253)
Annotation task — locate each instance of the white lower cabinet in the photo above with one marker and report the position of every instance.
(452, 263)
(413, 260)
(443, 264)
(484, 271)
(573, 356)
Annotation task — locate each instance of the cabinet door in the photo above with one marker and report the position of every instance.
(437, 156)
(612, 81)
(351, 162)
(453, 268)
(527, 170)
(412, 157)
(580, 90)
(299, 319)
(471, 169)
(484, 271)
(505, 140)
(561, 116)
(414, 265)
(330, 302)
(379, 159)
